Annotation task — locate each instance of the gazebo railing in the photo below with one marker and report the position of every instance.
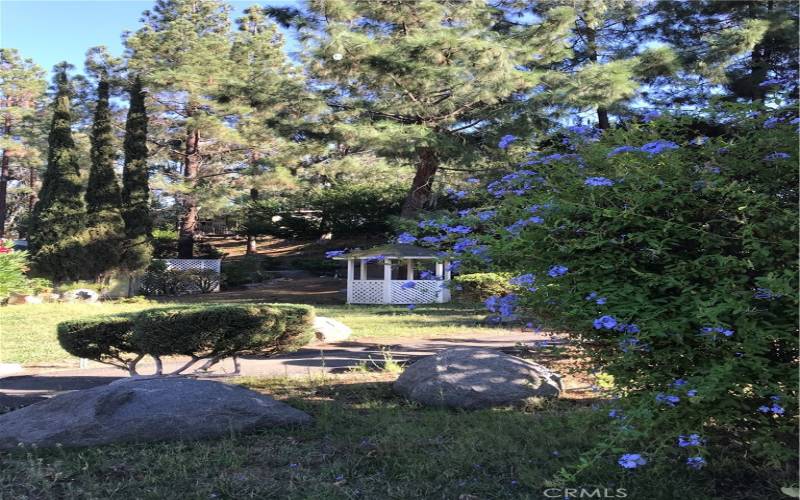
(375, 292)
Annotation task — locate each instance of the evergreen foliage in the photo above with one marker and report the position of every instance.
(22, 87)
(102, 189)
(59, 216)
(135, 183)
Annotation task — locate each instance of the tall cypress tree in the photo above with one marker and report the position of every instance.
(135, 188)
(102, 190)
(59, 215)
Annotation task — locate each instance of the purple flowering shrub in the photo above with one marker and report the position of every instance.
(672, 260)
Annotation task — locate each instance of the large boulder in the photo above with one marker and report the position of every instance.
(330, 330)
(471, 378)
(148, 409)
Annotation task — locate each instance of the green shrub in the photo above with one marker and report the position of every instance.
(165, 243)
(204, 280)
(346, 208)
(243, 271)
(477, 287)
(671, 261)
(13, 264)
(202, 332)
(107, 339)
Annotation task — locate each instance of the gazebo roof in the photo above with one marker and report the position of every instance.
(392, 252)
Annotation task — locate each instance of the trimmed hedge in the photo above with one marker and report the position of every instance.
(202, 332)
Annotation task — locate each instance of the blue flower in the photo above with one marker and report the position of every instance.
(431, 240)
(605, 322)
(598, 181)
(427, 223)
(777, 156)
(679, 382)
(408, 285)
(690, 440)
(456, 195)
(334, 253)
(460, 229)
(631, 460)
(506, 141)
(651, 115)
(691, 393)
(473, 180)
(411, 307)
(375, 258)
(770, 82)
(486, 215)
(712, 331)
(463, 243)
(556, 271)
(667, 399)
(454, 266)
(426, 275)
(657, 147)
(523, 280)
(406, 239)
(696, 462)
(616, 414)
(620, 150)
(771, 122)
(601, 301)
(766, 293)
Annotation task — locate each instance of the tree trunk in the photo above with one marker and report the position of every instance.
(5, 171)
(191, 167)
(602, 113)
(252, 247)
(602, 118)
(419, 196)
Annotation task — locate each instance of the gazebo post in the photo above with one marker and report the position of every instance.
(387, 281)
(440, 277)
(351, 268)
(362, 275)
(410, 269)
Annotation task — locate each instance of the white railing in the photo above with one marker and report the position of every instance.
(375, 292)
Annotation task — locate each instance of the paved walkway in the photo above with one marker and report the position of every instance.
(32, 386)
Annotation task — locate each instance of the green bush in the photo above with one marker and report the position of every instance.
(671, 261)
(202, 332)
(243, 271)
(204, 280)
(107, 340)
(165, 243)
(477, 287)
(13, 264)
(346, 208)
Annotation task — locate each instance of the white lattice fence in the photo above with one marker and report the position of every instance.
(367, 292)
(423, 292)
(187, 264)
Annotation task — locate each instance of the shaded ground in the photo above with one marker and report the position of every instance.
(316, 359)
(302, 289)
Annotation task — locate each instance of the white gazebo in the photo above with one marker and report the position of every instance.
(400, 284)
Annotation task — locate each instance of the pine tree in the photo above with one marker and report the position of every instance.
(22, 87)
(59, 215)
(102, 189)
(272, 102)
(182, 52)
(728, 46)
(606, 67)
(417, 79)
(135, 187)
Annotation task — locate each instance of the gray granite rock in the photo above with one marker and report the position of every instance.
(472, 378)
(146, 409)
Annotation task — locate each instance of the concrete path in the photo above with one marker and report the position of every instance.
(32, 386)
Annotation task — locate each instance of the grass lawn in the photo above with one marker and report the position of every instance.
(368, 443)
(28, 333)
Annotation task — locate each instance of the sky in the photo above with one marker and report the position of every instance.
(50, 31)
